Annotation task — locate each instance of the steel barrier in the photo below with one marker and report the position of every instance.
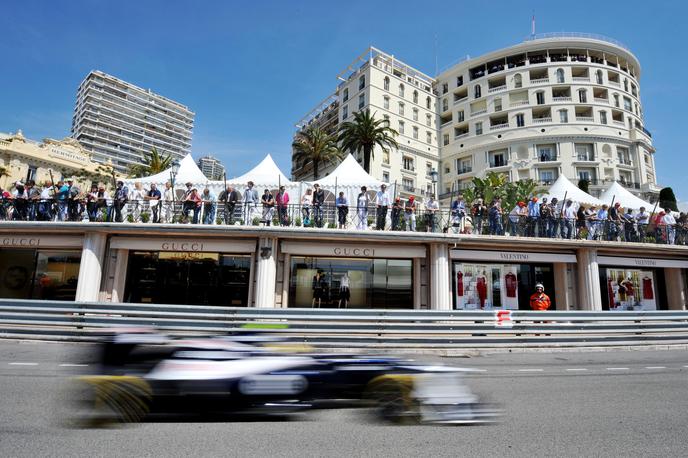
(350, 328)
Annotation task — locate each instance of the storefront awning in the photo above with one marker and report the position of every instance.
(192, 245)
(641, 262)
(353, 250)
(516, 257)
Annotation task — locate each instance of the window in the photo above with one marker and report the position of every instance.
(415, 96)
(598, 77)
(464, 165)
(478, 128)
(401, 90)
(345, 112)
(385, 103)
(407, 163)
(345, 96)
(428, 169)
(385, 157)
(627, 104)
(560, 75)
(459, 81)
(31, 173)
(401, 108)
(616, 100)
(546, 153)
(428, 120)
(445, 104)
(445, 88)
(385, 177)
(361, 101)
(428, 103)
(386, 83)
(584, 152)
(547, 176)
(445, 139)
(428, 137)
(407, 184)
(625, 85)
(585, 175)
(623, 156)
(540, 97)
(401, 127)
(477, 91)
(460, 116)
(583, 96)
(415, 114)
(361, 82)
(415, 132)
(520, 120)
(563, 116)
(498, 104)
(518, 80)
(603, 117)
(498, 158)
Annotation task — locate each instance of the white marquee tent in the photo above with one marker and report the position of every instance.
(563, 188)
(619, 194)
(348, 177)
(188, 172)
(264, 175)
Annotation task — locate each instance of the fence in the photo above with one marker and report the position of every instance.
(424, 329)
(441, 219)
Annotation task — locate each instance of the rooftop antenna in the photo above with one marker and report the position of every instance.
(436, 62)
(532, 26)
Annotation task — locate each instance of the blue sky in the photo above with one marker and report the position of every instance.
(250, 70)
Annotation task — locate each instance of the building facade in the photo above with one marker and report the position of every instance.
(211, 167)
(391, 90)
(556, 105)
(117, 120)
(566, 104)
(25, 159)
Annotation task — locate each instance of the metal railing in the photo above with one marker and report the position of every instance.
(394, 218)
(349, 328)
(589, 36)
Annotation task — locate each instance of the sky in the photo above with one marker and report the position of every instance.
(251, 70)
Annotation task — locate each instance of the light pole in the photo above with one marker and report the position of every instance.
(433, 176)
(173, 175)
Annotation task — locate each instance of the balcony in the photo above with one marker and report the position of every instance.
(585, 79)
(629, 184)
(497, 89)
(540, 80)
(561, 99)
(601, 100)
(546, 158)
(498, 162)
(479, 112)
(462, 99)
(615, 83)
(464, 170)
(619, 123)
(503, 125)
(519, 103)
(443, 125)
(542, 120)
(462, 135)
(585, 119)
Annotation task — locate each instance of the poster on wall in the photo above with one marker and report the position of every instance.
(631, 289)
(485, 286)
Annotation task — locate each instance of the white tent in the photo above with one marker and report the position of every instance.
(348, 177)
(265, 174)
(188, 172)
(563, 188)
(619, 194)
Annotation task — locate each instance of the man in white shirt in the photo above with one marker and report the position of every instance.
(250, 203)
(431, 208)
(669, 222)
(642, 218)
(167, 204)
(382, 202)
(569, 220)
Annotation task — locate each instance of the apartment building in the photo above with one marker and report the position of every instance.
(211, 167)
(116, 120)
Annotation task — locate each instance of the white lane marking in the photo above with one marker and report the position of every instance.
(617, 368)
(73, 365)
(23, 364)
(479, 370)
(655, 367)
(530, 370)
(577, 369)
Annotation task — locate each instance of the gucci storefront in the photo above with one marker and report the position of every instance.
(39, 267)
(352, 276)
(209, 272)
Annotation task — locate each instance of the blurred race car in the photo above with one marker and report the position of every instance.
(145, 375)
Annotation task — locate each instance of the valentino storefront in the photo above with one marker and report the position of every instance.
(39, 267)
(181, 271)
(483, 279)
(353, 275)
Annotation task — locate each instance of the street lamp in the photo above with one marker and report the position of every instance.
(173, 176)
(434, 176)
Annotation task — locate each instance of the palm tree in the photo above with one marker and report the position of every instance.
(364, 132)
(154, 163)
(315, 145)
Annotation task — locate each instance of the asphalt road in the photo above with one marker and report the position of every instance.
(622, 403)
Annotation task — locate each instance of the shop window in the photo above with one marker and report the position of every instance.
(373, 283)
(632, 289)
(39, 274)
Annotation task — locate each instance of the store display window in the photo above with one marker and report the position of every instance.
(351, 283)
(501, 286)
(39, 274)
(170, 277)
(629, 289)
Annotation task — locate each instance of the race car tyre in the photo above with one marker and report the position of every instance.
(393, 399)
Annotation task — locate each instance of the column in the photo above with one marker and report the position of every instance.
(286, 280)
(266, 272)
(675, 289)
(561, 286)
(417, 283)
(588, 280)
(440, 286)
(120, 275)
(91, 267)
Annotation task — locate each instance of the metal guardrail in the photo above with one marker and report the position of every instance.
(70, 321)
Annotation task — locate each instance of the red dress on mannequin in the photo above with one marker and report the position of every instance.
(481, 287)
(510, 284)
(459, 284)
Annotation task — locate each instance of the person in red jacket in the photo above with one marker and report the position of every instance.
(539, 300)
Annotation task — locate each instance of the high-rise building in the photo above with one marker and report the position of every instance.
(391, 90)
(211, 167)
(116, 120)
(556, 104)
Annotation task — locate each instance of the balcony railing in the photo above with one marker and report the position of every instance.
(615, 83)
(448, 123)
(542, 120)
(499, 126)
(540, 80)
(502, 163)
(519, 103)
(462, 99)
(479, 112)
(464, 170)
(545, 158)
(465, 134)
(619, 123)
(561, 99)
(585, 118)
(601, 99)
(581, 78)
(497, 88)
